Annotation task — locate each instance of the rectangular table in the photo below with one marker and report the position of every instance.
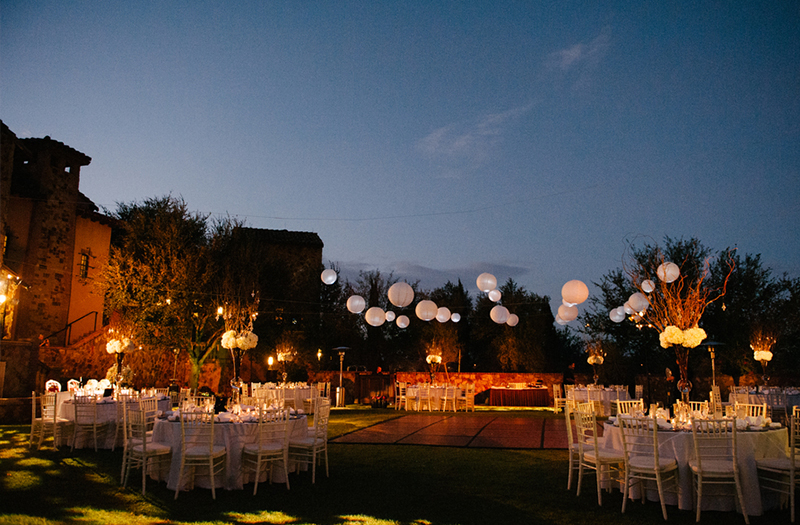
(519, 397)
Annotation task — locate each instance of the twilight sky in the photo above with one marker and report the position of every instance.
(435, 140)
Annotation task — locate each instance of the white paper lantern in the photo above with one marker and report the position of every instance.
(443, 314)
(375, 316)
(356, 304)
(648, 286)
(568, 313)
(668, 272)
(495, 295)
(486, 282)
(455, 317)
(426, 310)
(390, 315)
(499, 314)
(512, 320)
(628, 309)
(400, 294)
(402, 321)
(638, 301)
(328, 276)
(575, 292)
(617, 314)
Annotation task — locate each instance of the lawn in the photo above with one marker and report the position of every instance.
(370, 484)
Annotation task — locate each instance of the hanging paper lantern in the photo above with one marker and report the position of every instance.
(575, 292)
(512, 320)
(375, 316)
(328, 276)
(426, 310)
(617, 314)
(568, 313)
(455, 317)
(499, 314)
(648, 286)
(668, 272)
(400, 294)
(495, 295)
(443, 314)
(356, 304)
(390, 316)
(486, 282)
(402, 321)
(638, 301)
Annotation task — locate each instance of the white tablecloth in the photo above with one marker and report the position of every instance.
(233, 435)
(106, 417)
(606, 396)
(759, 399)
(680, 446)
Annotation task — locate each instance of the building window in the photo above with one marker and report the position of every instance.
(84, 266)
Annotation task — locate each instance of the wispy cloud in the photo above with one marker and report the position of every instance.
(582, 55)
(472, 140)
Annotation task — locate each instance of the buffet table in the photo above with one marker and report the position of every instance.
(679, 445)
(519, 397)
(234, 436)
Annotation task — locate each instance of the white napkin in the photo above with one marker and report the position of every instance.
(663, 424)
(741, 424)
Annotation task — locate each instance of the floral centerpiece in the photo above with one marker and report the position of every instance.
(762, 344)
(596, 357)
(239, 312)
(672, 300)
(434, 360)
(121, 376)
(238, 343)
(117, 348)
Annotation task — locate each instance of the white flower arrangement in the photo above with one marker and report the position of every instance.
(116, 346)
(762, 355)
(127, 374)
(244, 340)
(285, 356)
(689, 338)
(433, 358)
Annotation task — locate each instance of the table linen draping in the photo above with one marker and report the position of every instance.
(792, 400)
(519, 397)
(106, 418)
(234, 436)
(605, 396)
(679, 445)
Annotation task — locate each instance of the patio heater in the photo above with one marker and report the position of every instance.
(340, 389)
(711, 351)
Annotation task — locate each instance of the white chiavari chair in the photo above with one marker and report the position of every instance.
(85, 410)
(271, 447)
(198, 448)
(401, 395)
(449, 398)
(423, 396)
(630, 407)
(141, 452)
(715, 459)
(750, 410)
(310, 449)
(559, 401)
(594, 458)
(783, 474)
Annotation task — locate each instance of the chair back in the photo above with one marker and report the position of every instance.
(557, 391)
(699, 406)
(272, 428)
(136, 427)
(715, 404)
(321, 421)
(85, 408)
(630, 407)
(48, 402)
(150, 408)
(751, 410)
(714, 441)
(586, 426)
(197, 429)
(639, 438)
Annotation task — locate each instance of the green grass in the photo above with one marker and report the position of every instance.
(369, 484)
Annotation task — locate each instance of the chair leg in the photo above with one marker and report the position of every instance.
(213, 478)
(598, 471)
(257, 475)
(741, 500)
(660, 495)
(699, 497)
(625, 490)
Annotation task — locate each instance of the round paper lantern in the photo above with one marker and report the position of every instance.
(426, 310)
(390, 316)
(328, 276)
(668, 272)
(638, 301)
(402, 321)
(486, 282)
(495, 295)
(455, 317)
(375, 316)
(499, 314)
(400, 294)
(560, 321)
(568, 313)
(575, 291)
(356, 304)
(512, 320)
(617, 314)
(648, 286)
(443, 314)
(628, 309)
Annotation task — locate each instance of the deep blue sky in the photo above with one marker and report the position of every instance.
(436, 140)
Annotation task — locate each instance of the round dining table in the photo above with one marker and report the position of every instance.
(234, 436)
(679, 445)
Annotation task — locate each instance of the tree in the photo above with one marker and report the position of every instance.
(160, 278)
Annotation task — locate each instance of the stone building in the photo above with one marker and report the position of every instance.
(54, 242)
